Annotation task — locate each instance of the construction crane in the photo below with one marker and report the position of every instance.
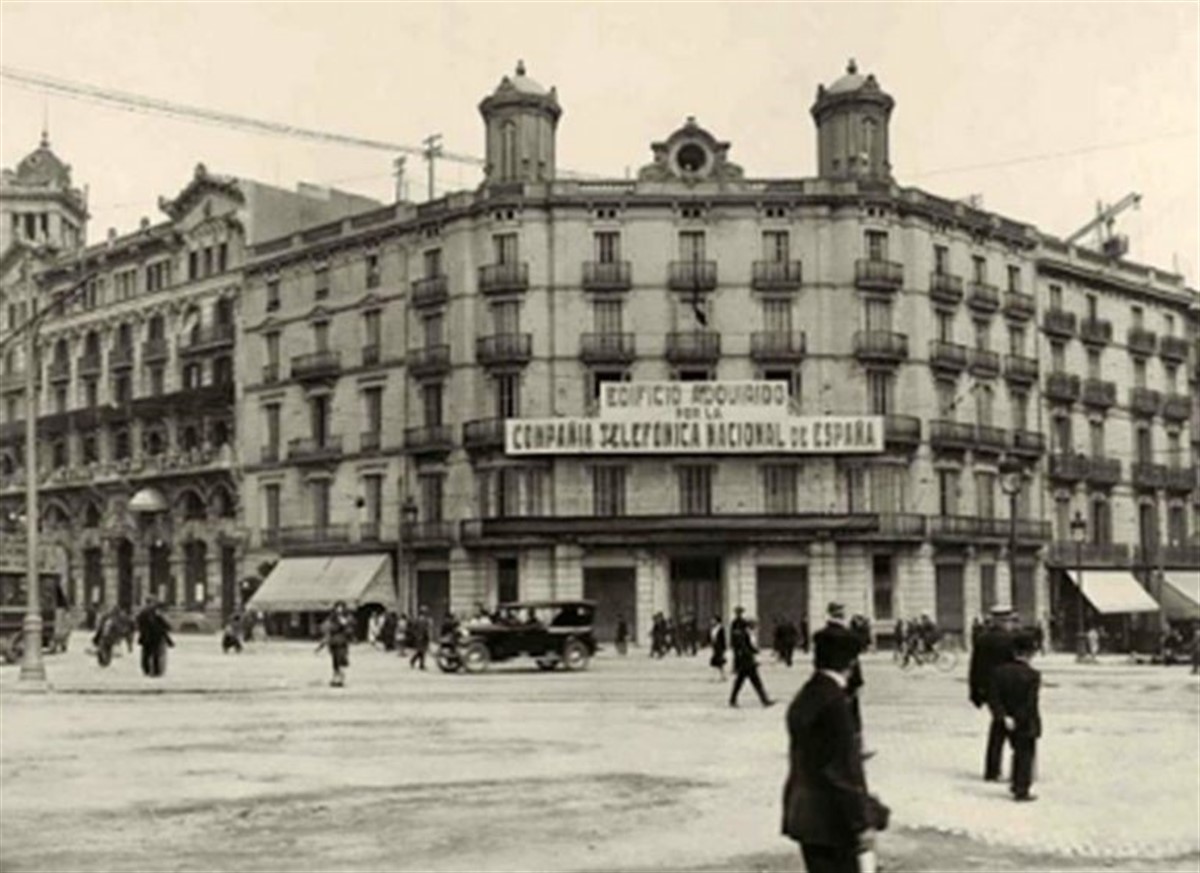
(1112, 244)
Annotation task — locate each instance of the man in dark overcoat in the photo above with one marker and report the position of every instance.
(745, 662)
(826, 808)
(836, 643)
(154, 636)
(1013, 700)
(992, 649)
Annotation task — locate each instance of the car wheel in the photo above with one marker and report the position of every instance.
(476, 658)
(448, 663)
(547, 663)
(575, 655)
(946, 661)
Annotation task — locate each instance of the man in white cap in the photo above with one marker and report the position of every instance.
(993, 649)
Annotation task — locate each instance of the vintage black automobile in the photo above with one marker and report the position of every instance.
(552, 632)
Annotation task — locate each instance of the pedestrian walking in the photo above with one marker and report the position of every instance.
(154, 636)
(675, 636)
(338, 630)
(231, 636)
(785, 640)
(622, 636)
(993, 649)
(834, 644)
(716, 640)
(422, 634)
(388, 631)
(803, 636)
(826, 806)
(693, 635)
(658, 636)
(745, 663)
(375, 629)
(1093, 643)
(403, 634)
(1013, 699)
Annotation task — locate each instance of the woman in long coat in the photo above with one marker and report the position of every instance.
(716, 639)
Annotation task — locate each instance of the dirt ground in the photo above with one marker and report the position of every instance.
(253, 763)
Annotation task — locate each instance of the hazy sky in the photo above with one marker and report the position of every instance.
(976, 86)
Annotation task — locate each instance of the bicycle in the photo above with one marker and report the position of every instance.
(944, 660)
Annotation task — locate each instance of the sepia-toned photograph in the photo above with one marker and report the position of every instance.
(642, 437)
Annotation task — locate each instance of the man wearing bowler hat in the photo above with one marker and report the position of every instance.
(993, 649)
(835, 644)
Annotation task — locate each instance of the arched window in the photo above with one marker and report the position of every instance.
(155, 443)
(508, 150)
(220, 433)
(92, 517)
(193, 507)
(62, 352)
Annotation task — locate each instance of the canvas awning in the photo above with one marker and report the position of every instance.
(314, 584)
(1181, 594)
(1114, 591)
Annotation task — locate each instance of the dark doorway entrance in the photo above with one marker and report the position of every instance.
(508, 588)
(950, 601)
(696, 589)
(615, 591)
(162, 585)
(433, 591)
(125, 593)
(93, 577)
(782, 593)
(228, 580)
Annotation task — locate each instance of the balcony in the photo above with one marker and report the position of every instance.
(945, 288)
(954, 528)
(693, 347)
(308, 450)
(309, 536)
(902, 431)
(484, 434)
(880, 346)
(1020, 370)
(947, 356)
(1177, 407)
(692, 275)
(155, 349)
(983, 297)
(1018, 305)
(430, 439)
(1062, 387)
(1057, 322)
(503, 278)
(901, 526)
(776, 276)
(429, 534)
(873, 275)
(120, 357)
(1065, 553)
(985, 362)
(430, 291)
(1028, 443)
(270, 374)
(1099, 393)
(60, 371)
(1141, 341)
(768, 346)
(504, 349)
(1181, 479)
(369, 441)
(1066, 467)
(1103, 472)
(1149, 476)
(13, 380)
(1144, 401)
(607, 276)
(990, 439)
(316, 365)
(90, 363)
(1173, 348)
(606, 348)
(207, 338)
(1176, 557)
(951, 436)
(1095, 331)
(429, 361)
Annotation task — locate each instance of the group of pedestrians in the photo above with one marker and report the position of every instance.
(667, 633)
(242, 628)
(149, 627)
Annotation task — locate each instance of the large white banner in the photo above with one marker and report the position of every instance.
(695, 418)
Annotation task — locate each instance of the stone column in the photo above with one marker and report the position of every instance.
(822, 579)
(568, 571)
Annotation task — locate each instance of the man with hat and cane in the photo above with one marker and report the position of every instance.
(834, 644)
(993, 649)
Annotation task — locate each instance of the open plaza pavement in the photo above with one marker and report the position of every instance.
(252, 762)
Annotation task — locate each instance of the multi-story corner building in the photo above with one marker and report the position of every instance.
(137, 391)
(388, 353)
(1121, 415)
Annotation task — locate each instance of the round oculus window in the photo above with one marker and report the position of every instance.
(691, 158)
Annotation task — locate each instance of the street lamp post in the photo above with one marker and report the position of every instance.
(408, 518)
(33, 668)
(1011, 474)
(1078, 533)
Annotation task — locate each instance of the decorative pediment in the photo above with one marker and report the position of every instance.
(690, 154)
(202, 185)
(320, 313)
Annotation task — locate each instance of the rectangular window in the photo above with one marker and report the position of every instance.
(431, 403)
(507, 389)
(271, 425)
(776, 246)
(777, 316)
(271, 340)
(983, 334)
(794, 379)
(979, 268)
(597, 378)
(941, 260)
(222, 257)
(1014, 278)
(779, 489)
(695, 489)
(1058, 357)
(1016, 340)
(607, 316)
(1172, 374)
(91, 392)
(1100, 527)
(1174, 450)
(945, 326)
(1093, 306)
(987, 587)
(207, 255)
(320, 283)
(321, 336)
(877, 245)
(432, 488)
(948, 492)
(1093, 363)
(1176, 526)
(318, 409)
(508, 492)
(691, 245)
(272, 295)
(432, 329)
(1019, 401)
(607, 246)
(60, 399)
(1138, 316)
(373, 409)
(373, 272)
(271, 507)
(1062, 435)
(946, 394)
(880, 387)
(985, 495)
(1096, 438)
(122, 389)
(984, 405)
(536, 480)
(608, 491)
(505, 247)
(1062, 519)
(193, 265)
(1168, 324)
(889, 488)
(157, 379)
(1144, 445)
(878, 315)
(433, 263)
(1139, 373)
(1056, 298)
(373, 499)
(506, 317)
(319, 495)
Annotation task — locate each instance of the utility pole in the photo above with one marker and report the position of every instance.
(433, 150)
(400, 181)
(33, 670)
